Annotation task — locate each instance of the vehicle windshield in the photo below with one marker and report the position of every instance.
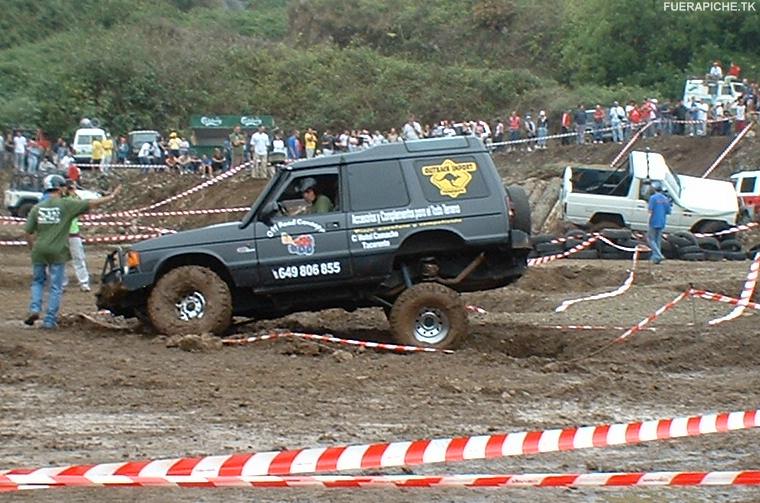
(673, 181)
(86, 139)
(140, 138)
(266, 191)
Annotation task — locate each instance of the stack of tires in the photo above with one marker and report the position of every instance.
(544, 245)
(687, 246)
(678, 245)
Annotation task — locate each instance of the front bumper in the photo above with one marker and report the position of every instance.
(119, 292)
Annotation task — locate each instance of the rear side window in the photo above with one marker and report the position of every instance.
(376, 185)
(748, 185)
(446, 179)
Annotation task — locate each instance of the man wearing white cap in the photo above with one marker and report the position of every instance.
(617, 116)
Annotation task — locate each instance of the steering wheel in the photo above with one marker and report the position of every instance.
(282, 209)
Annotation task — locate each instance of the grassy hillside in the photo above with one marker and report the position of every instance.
(140, 63)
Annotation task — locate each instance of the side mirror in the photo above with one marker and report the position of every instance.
(268, 211)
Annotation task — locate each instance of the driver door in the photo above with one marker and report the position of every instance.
(298, 247)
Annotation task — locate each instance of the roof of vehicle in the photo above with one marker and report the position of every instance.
(143, 131)
(649, 165)
(414, 148)
(90, 130)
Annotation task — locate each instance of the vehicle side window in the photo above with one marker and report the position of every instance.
(324, 195)
(451, 178)
(376, 185)
(645, 190)
(748, 185)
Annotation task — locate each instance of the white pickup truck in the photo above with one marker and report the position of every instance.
(25, 191)
(601, 198)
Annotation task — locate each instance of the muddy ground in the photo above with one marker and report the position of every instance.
(86, 394)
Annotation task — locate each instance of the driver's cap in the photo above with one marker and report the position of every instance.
(308, 183)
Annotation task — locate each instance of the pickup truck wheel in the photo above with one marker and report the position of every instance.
(429, 315)
(190, 300)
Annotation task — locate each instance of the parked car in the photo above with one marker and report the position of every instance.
(25, 191)
(135, 139)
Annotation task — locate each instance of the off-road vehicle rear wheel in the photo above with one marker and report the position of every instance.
(190, 300)
(430, 315)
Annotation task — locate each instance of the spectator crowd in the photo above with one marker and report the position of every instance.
(266, 150)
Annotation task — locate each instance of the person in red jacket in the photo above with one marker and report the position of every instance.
(635, 117)
(734, 70)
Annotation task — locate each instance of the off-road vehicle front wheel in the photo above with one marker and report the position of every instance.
(190, 300)
(430, 315)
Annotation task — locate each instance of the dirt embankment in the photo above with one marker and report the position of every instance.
(89, 395)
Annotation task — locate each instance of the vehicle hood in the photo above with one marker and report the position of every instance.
(707, 197)
(86, 195)
(211, 234)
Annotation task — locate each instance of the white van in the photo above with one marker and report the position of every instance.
(82, 143)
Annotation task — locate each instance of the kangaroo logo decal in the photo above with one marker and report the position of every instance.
(450, 178)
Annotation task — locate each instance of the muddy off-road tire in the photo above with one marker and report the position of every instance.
(190, 300)
(429, 315)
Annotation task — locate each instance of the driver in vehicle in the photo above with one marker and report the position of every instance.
(319, 203)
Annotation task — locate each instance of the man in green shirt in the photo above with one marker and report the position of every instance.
(320, 203)
(237, 143)
(47, 229)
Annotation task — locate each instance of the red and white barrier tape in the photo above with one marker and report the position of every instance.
(98, 223)
(122, 165)
(532, 262)
(12, 219)
(95, 239)
(630, 143)
(609, 479)
(590, 327)
(131, 213)
(728, 149)
(395, 454)
(746, 295)
(605, 295)
(635, 249)
(649, 319)
(717, 297)
(329, 338)
(201, 186)
(732, 230)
